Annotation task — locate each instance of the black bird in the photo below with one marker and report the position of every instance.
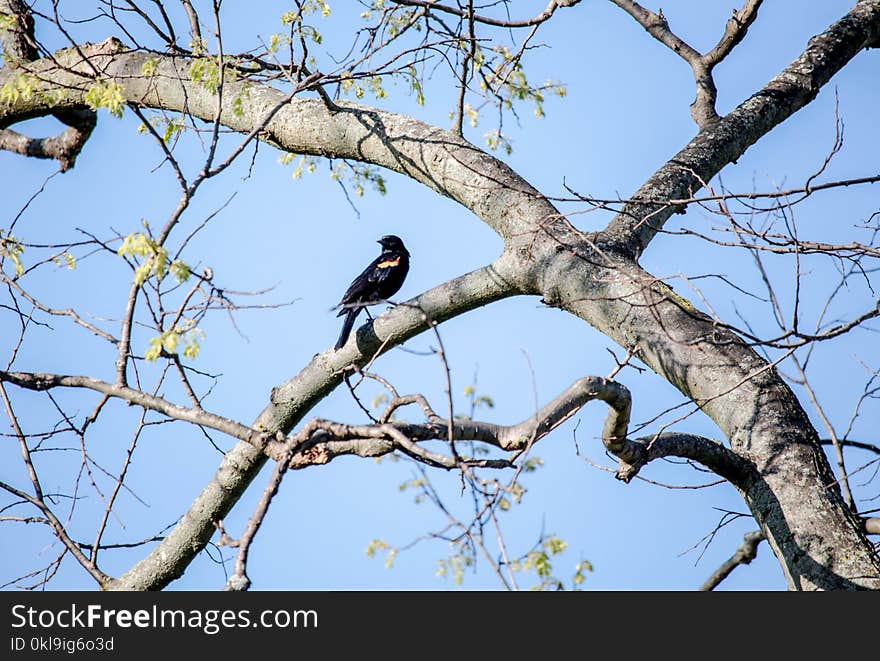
(379, 281)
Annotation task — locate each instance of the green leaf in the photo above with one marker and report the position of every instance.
(149, 67)
(206, 72)
(11, 247)
(8, 21)
(376, 545)
(21, 87)
(106, 94)
(532, 464)
(139, 245)
(169, 340)
(180, 270)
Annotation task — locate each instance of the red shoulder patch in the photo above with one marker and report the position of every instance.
(388, 263)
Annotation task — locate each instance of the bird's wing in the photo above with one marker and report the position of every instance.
(362, 284)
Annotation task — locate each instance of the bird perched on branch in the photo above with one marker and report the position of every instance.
(378, 282)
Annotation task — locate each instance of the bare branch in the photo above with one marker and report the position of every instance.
(734, 32)
(711, 150)
(434, 5)
(703, 108)
(847, 443)
(37, 500)
(34, 381)
(743, 556)
(195, 30)
(658, 27)
(68, 312)
(239, 580)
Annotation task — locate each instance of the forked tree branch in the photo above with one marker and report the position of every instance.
(793, 88)
(734, 31)
(19, 48)
(703, 108)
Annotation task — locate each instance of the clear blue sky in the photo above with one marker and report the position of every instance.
(625, 114)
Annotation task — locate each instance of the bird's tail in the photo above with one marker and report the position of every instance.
(350, 316)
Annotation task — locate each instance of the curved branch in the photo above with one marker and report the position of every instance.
(437, 158)
(64, 147)
(20, 48)
(322, 440)
(328, 440)
(706, 451)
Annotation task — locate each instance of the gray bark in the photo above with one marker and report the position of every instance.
(819, 543)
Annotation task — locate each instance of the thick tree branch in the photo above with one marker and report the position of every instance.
(327, 440)
(723, 143)
(64, 147)
(19, 48)
(789, 492)
(714, 456)
(17, 32)
(439, 159)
